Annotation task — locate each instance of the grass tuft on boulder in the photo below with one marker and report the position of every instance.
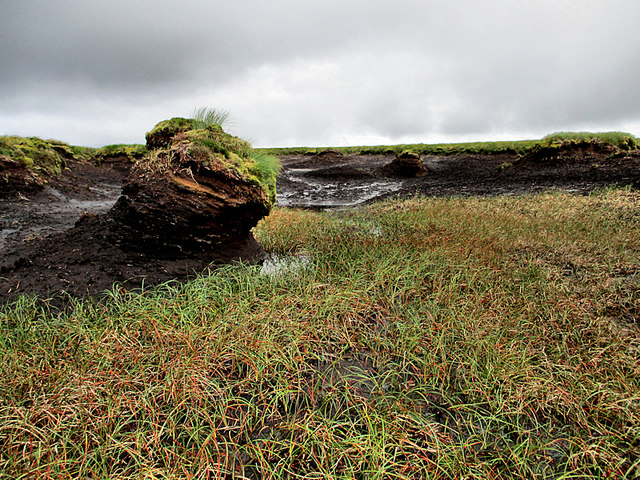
(205, 116)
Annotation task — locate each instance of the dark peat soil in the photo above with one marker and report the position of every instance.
(39, 229)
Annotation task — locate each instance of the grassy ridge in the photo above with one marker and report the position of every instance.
(131, 152)
(42, 156)
(622, 140)
(48, 157)
(440, 338)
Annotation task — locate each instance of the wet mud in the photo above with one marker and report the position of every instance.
(27, 216)
(320, 182)
(35, 225)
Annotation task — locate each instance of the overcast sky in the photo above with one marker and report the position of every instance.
(320, 72)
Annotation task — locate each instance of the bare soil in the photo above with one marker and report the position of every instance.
(41, 230)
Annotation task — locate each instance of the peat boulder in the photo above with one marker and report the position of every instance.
(189, 203)
(27, 163)
(199, 189)
(407, 164)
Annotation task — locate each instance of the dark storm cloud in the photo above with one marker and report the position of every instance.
(152, 42)
(102, 43)
(310, 72)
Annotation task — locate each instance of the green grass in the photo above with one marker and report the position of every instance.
(426, 338)
(622, 140)
(205, 116)
(207, 143)
(132, 152)
(44, 157)
(266, 168)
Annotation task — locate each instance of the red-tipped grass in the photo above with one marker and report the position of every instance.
(427, 338)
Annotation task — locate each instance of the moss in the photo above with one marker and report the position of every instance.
(160, 136)
(84, 153)
(133, 149)
(209, 146)
(131, 152)
(216, 139)
(265, 168)
(45, 157)
(409, 153)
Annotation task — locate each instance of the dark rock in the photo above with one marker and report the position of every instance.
(16, 177)
(188, 198)
(340, 173)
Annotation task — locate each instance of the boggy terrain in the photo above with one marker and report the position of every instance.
(190, 202)
(332, 179)
(36, 233)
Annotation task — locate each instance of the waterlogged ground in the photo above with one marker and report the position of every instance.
(27, 216)
(330, 181)
(318, 181)
(334, 180)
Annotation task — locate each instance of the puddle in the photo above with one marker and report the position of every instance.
(276, 264)
(310, 194)
(63, 204)
(55, 193)
(349, 184)
(94, 206)
(51, 211)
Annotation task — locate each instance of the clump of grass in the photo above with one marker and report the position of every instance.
(426, 338)
(47, 157)
(123, 149)
(622, 140)
(443, 149)
(206, 116)
(204, 141)
(132, 152)
(266, 168)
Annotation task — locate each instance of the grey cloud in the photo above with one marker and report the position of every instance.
(326, 69)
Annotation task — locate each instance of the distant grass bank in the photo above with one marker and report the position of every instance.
(50, 157)
(426, 338)
(621, 140)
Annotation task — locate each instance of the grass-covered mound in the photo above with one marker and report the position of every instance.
(47, 156)
(621, 140)
(208, 144)
(624, 141)
(129, 153)
(27, 162)
(427, 338)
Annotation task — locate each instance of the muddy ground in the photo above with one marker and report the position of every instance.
(34, 225)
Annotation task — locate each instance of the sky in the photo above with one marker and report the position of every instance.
(320, 72)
